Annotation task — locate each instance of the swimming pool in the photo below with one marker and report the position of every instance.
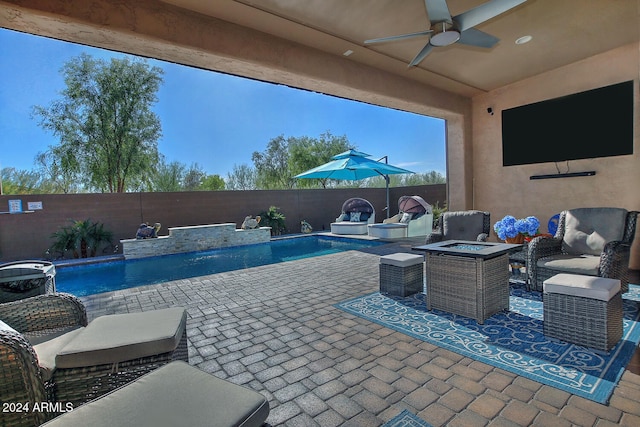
(89, 279)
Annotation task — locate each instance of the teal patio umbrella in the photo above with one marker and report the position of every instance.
(354, 165)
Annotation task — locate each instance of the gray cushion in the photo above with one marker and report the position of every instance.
(599, 288)
(47, 350)
(174, 395)
(119, 337)
(583, 264)
(587, 230)
(465, 225)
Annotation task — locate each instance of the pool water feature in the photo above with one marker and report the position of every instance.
(89, 279)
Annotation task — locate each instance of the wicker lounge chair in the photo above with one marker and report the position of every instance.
(462, 225)
(356, 214)
(588, 241)
(49, 353)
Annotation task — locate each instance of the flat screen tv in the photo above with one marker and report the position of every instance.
(585, 125)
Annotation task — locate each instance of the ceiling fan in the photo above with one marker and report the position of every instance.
(446, 30)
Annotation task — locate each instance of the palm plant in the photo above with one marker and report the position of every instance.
(274, 219)
(82, 238)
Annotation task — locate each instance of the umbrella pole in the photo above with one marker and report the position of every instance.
(386, 178)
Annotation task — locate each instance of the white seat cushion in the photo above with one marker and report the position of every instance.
(599, 288)
(401, 259)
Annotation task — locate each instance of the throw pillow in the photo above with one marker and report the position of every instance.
(406, 217)
(355, 217)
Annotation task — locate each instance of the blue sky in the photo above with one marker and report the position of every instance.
(212, 119)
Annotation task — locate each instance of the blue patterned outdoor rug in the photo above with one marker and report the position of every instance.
(513, 340)
(406, 419)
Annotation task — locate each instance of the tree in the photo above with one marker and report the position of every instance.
(272, 165)
(243, 177)
(212, 183)
(285, 158)
(107, 130)
(306, 153)
(167, 177)
(193, 178)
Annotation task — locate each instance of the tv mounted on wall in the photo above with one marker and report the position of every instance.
(585, 125)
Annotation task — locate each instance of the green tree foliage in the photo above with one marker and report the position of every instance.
(16, 181)
(176, 176)
(243, 177)
(167, 177)
(212, 183)
(272, 165)
(107, 131)
(306, 153)
(284, 158)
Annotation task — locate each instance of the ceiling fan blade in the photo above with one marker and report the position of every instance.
(400, 37)
(421, 55)
(484, 12)
(474, 37)
(438, 11)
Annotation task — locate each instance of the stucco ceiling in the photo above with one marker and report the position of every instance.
(562, 32)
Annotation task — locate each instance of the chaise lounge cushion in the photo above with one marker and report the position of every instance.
(175, 394)
(120, 337)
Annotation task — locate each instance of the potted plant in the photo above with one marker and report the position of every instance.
(513, 230)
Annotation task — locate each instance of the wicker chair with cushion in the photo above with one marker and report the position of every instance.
(588, 241)
(462, 225)
(49, 353)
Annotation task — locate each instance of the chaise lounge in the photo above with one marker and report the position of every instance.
(356, 214)
(414, 218)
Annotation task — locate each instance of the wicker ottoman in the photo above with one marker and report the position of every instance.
(401, 274)
(583, 310)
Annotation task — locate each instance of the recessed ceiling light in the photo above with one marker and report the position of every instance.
(523, 39)
(347, 53)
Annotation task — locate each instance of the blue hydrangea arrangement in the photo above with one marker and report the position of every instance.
(509, 227)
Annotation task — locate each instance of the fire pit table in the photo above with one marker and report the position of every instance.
(468, 278)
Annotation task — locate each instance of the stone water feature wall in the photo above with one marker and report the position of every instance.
(195, 238)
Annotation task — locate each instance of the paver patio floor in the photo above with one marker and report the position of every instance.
(275, 329)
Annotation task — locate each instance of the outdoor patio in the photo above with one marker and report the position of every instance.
(275, 329)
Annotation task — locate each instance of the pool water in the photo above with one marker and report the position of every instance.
(89, 279)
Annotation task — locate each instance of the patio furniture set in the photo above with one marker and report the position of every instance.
(414, 218)
(53, 363)
(582, 272)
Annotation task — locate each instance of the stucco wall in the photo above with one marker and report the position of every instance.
(508, 190)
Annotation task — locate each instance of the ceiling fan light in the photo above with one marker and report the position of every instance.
(445, 38)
